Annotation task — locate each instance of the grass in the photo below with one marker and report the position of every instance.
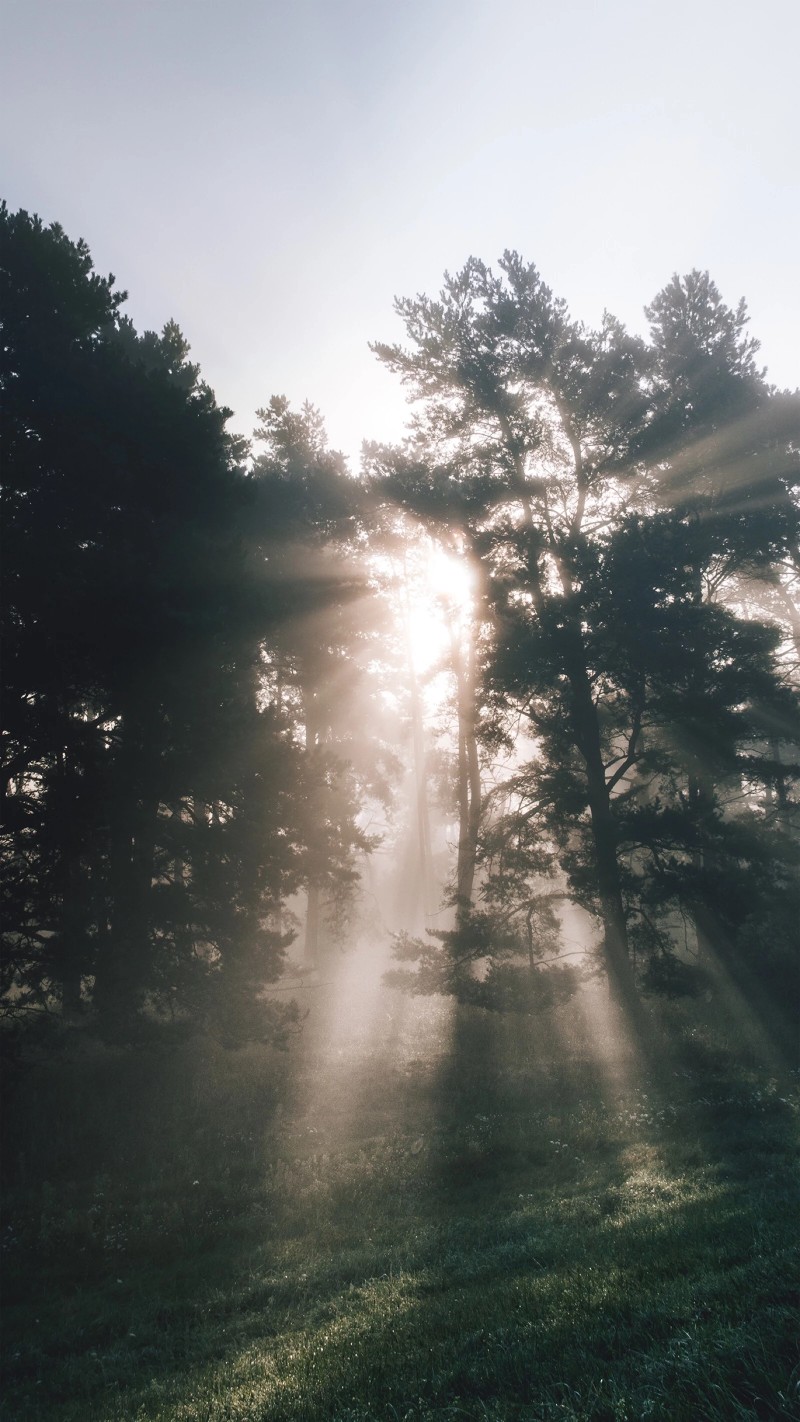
(468, 1234)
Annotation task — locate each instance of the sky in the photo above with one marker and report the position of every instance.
(272, 175)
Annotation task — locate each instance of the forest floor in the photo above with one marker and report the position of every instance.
(416, 1212)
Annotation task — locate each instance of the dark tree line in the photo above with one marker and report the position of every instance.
(164, 790)
(191, 726)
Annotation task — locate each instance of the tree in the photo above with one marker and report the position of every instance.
(557, 453)
(306, 531)
(134, 740)
(55, 315)
(398, 480)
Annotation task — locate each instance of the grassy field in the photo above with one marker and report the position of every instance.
(409, 1224)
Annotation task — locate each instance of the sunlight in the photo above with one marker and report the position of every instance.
(402, 772)
(450, 577)
(595, 1027)
(360, 1041)
(427, 634)
(610, 1039)
(439, 606)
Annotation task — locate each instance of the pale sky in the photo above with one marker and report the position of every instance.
(272, 174)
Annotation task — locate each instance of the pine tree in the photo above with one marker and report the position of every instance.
(601, 482)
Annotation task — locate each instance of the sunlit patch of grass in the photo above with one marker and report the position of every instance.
(520, 1248)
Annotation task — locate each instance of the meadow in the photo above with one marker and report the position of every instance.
(442, 1214)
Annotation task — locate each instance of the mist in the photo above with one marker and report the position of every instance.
(399, 955)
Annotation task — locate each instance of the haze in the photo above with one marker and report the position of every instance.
(272, 175)
(400, 836)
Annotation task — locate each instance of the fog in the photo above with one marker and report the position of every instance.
(400, 845)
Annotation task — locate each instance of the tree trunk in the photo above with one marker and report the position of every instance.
(616, 951)
(70, 978)
(124, 969)
(469, 775)
(69, 945)
(612, 910)
(313, 916)
(70, 963)
(586, 729)
(311, 941)
(425, 884)
(793, 613)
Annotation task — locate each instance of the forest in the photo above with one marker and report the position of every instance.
(399, 864)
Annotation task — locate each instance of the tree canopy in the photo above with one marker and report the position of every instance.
(193, 723)
(157, 800)
(617, 495)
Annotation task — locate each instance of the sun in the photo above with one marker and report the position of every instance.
(439, 606)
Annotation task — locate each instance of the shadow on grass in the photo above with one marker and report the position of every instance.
(496, 1233)
(646, 1294)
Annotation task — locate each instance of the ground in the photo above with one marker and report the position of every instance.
(415, 1212)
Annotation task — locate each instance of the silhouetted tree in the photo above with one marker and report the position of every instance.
(601, 493)
(307, 529)
(133, 738)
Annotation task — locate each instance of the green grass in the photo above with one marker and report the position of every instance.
(206, 1237)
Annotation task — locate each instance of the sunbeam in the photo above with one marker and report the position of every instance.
(400, 891)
